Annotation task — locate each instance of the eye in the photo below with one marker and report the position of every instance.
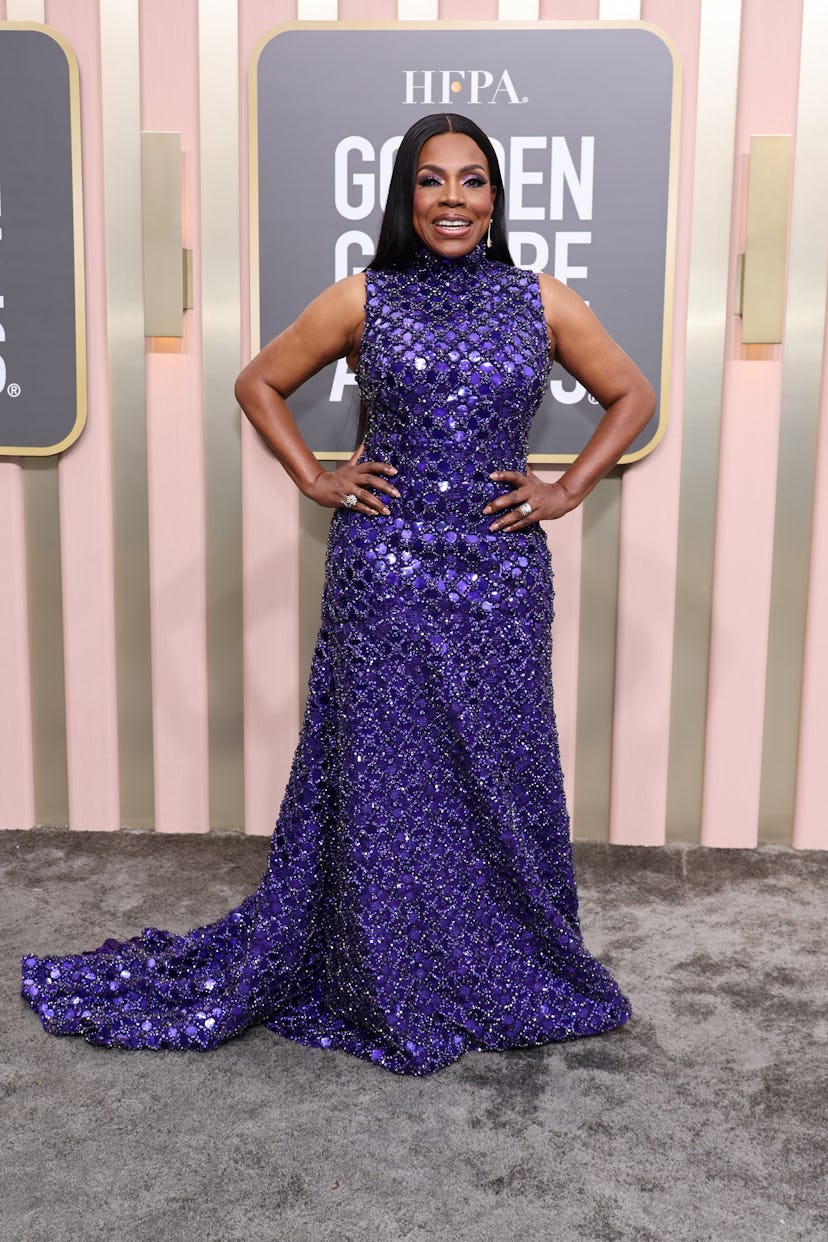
(427, 179)
(475, 182)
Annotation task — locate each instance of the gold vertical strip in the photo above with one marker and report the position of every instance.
(121, 120)
(707, 311)
(42, 516)
(221, 325)
(764, 263)
(596, 666)
(41, 510)
(161, 233)
(801, 377)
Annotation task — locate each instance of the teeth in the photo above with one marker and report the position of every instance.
(452, 224)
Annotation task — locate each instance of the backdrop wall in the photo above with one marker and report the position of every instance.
(162, 578)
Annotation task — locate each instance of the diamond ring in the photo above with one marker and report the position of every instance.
(350, 500)
(525, 508)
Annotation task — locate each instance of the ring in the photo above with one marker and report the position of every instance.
(350, 500)
(525, 508)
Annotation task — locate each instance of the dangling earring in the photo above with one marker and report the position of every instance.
(489, 234)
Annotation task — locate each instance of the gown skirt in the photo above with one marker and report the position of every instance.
(419, 899)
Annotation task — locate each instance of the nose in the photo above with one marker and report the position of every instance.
(452, 192)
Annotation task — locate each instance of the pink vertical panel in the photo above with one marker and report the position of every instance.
(751, 408)
(85, 482)
(270, 506)
(16, 761)
(649, 530)
(741, 600)
(565, 542)
(810, 831)
(468, 10)
(175, 455)
(569, 10)
(367, 10)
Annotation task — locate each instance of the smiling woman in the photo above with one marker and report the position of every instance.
(419, 899)
(445, 166)
(453, 196)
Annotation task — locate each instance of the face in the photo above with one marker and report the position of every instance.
(453, 196)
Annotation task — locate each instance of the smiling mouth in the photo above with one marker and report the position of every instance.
(451, 224)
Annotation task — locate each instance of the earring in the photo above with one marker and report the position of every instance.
(489, 234)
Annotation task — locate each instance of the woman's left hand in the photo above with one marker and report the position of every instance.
(546, 500)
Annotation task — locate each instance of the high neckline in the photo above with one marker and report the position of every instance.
(430, 258)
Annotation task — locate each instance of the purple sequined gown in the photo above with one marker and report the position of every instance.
(419, 899)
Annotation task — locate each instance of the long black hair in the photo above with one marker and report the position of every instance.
(398, 242)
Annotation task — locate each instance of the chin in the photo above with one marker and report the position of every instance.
(455, 246)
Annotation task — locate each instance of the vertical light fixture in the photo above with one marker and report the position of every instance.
(760, 274)
(168, 271)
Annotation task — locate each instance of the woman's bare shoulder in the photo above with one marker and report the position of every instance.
(337, 312)
(556, 295)
(351, 293)
(348, 293)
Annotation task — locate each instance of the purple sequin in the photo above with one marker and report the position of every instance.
(419, 899)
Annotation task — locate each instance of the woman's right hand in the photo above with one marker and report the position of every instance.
(354, 478)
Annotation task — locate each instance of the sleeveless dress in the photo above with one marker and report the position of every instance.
(419, 899)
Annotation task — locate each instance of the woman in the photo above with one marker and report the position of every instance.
(419, 899)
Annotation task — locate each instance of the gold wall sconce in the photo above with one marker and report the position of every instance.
(168, 267)
(760, 271)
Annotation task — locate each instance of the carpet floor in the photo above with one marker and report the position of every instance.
(701, 1120)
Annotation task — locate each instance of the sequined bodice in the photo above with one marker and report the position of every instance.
(453, 364)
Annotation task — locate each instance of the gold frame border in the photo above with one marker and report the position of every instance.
(81, 396)
(546, 459)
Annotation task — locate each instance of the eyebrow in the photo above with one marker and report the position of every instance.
(466, 168)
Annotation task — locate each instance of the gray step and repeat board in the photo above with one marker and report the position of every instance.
(42, 338)
(585, 121)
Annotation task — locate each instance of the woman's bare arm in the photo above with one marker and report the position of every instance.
(587, 351)
(327, 329)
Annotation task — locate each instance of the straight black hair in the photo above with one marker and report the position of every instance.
(398, 242)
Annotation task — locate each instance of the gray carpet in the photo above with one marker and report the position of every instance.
(702, 1120)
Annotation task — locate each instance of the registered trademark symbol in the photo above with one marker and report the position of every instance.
(525, 99)
(13, 390)
(592, 400)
